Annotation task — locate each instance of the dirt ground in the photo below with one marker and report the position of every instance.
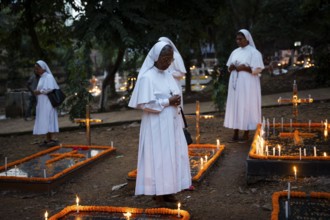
(222, 194)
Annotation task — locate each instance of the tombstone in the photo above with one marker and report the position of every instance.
(17, 103)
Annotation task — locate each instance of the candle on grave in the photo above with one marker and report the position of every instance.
(267, 150)
(304, 152)
(325, 154)
(179, 205)
(295, 172)
(282, 124)
(202, 162)
(268, 127)
(286, 209)
(273, 151)
(309, 125)
(218, 143)
(314, 151)
(46, 215)
(299, 153)
(289, 190)
(206, 158)
(127, 215)
(111, 143)
(77, 202)
(5, 163)
(279, 150)
(45, 173)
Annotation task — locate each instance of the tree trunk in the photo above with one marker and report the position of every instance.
(188, 77)
(109, 80)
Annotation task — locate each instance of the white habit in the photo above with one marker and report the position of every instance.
(243, 108)
(46, 115)
(163, 162)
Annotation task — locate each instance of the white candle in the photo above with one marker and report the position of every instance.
(218, 143)
(46, 215)
(314, 151)
(202, 162)
(45, 176)
(205, 158)
(279, 150)
(325, 154)
(127, 215)
(111, 144)
(5, 163)
(289, 190)
(299, 153)
(179, 205)
(282, 124)
(295, 172)
(309, 125)
(77, 201)
(304, 152)
(267, 150)
(286, 209)
(273, 151)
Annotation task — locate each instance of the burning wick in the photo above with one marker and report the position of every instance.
(127, 215)
(295, 172)
(46, 215)
(179, 205)
(77, 201)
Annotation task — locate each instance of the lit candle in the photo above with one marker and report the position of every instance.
(299, 153)
(325, 154)
(314, 151)
(273, 151)
(45, 176)
(286, 209)
(205, 158)
(218, 143)
(295, 172)
(289, 190)
(77, 201)
(111, 144)
(304, 152)
(179, 205)
(267, 150)
(202, 162)
(279, 150)
(127, 215)
(46, 215)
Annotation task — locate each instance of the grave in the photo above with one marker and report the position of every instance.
(47, 169)
(290, 150)
(201, 157)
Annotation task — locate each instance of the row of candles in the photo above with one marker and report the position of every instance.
(266, 123)
(127, 215)
(260, 151)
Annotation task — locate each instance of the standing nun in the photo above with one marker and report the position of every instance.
(163, 163)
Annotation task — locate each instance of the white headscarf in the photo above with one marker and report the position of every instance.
(178, 61)
(140, 94)
(44, 66)
(248, 37)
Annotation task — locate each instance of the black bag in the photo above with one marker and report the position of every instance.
(185, 131)
(56, 97)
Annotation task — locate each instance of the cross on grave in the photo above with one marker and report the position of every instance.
(59, 156)
(87, 122)
(297, 136)
(198, 117)
(295, 100)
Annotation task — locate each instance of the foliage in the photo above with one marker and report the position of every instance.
(220, 85)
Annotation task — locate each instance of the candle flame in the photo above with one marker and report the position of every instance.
(127, 214)
(295, 169)
(46, 214)
(179, 205)
(77, 200)
(325, 154)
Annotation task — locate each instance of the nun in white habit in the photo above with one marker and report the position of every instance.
(243, 108)
(163, 163)
(46, 115)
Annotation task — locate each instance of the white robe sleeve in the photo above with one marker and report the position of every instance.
(155, 106)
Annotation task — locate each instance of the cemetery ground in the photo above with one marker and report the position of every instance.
(223, 193)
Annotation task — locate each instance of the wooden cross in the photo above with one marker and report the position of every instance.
(295, 100)
(297, 136)
(59, 156)
(198, 117)
(87, 122)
